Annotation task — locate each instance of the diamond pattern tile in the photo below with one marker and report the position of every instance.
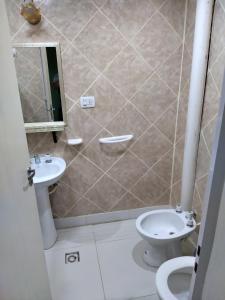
(138, 88)
(128, 121)
(158, 33)
(128, 72)
(81, 125)
(105, 193)
(42, 32)
(108, 101)
(83, 207)
(100, 42)
(154, 98)
(81, 174)
(78, 73)
(68, 16)
(149, 193)
(129, 16)
(174, 12)
(63, 199)
(128, 201)
(128, 170)
(155, 145)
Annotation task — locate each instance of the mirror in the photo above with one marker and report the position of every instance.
(40, 80)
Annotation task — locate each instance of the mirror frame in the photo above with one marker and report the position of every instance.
(48, 126)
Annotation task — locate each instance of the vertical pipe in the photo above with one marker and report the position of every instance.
(203, 21)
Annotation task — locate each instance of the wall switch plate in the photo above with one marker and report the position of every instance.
(87, 101)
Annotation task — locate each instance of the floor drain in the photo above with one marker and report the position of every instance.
(72, 257)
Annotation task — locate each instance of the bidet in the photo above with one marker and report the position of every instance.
(163, 229)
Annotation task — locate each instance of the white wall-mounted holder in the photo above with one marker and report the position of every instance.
(73, 142)
(116, 139)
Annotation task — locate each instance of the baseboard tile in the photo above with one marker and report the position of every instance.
(104, 217)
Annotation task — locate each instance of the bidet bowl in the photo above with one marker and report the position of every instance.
(163, 229)
(163, 226)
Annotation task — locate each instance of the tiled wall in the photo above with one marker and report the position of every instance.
(129, 54)
(210, 110)
(212, 96)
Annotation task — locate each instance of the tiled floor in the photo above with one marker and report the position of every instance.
(110, 266)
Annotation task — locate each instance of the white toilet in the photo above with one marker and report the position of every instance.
(163, 229)
(173, 278)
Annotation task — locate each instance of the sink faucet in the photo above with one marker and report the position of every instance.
(37, 159)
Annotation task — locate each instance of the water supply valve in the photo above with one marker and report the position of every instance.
(178, 209)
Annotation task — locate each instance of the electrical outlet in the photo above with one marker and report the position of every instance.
(87, 101)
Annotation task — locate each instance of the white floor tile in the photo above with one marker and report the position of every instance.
(78, 280)
(115, 231)
(150, 297)
(125, 275)
(73, 237)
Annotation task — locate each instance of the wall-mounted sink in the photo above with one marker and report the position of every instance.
(48, 170)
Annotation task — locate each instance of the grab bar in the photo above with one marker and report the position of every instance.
(116, 139)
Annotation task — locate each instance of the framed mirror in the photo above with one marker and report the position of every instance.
(41, 88)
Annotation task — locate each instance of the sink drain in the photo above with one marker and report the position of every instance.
(155, 233)
(171, 233)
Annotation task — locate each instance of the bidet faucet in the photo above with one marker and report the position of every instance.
(37, 159)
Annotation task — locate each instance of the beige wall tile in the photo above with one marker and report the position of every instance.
(81, 174)
(163, 168)
(108, 101)
(40, 33)
(151, 146)
(128, 170)
(80, 125)
(154, 98)
(164, 38)
(104, 155)
(166, 124)
(68, 16)
(150, 188)
(63, 199)
(100, 42)
(129, 16)
(93, 40)
(174, 12)
(105, 193)
(128, 121)
(83, 207)
(78, 73)
(128, 201)
(128, 72)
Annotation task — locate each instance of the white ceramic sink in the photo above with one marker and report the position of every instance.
(48, 170)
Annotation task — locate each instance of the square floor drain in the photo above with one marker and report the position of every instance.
(72, 257)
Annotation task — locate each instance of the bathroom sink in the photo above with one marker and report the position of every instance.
(49, 170)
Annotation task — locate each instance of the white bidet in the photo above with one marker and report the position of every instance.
(163, 229)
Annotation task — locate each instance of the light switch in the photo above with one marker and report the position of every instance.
(87, 101)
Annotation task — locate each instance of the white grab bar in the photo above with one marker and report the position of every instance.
(116, 139)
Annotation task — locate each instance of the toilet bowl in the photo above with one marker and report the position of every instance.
(173, 278)
(163, 230)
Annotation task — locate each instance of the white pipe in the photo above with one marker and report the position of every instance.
(203, 22)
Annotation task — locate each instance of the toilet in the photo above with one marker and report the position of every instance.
(164, 229)
(173, 278)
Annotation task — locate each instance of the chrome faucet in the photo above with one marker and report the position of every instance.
(37, 159)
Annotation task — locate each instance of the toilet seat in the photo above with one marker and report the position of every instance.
(166, 269)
